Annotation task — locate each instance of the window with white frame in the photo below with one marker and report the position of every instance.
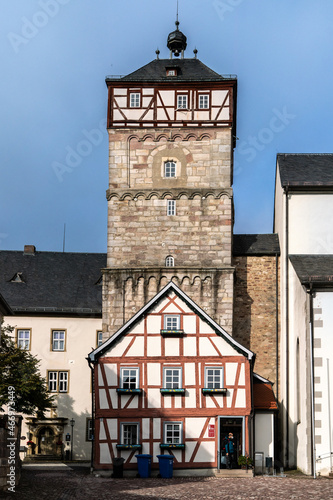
(214, 377)
(172, 432)
(170, 168)
(58, 340)
(171, 207)
(129, 433)
(172, 378)
(169, 261)
(58, 381)
(203, 101)
(172, 322)
(129, 378)
(182, 101)
(89, 429)
(23, 339)
(134, 100)
(99, 338)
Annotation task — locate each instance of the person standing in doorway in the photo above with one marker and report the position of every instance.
(230, 451)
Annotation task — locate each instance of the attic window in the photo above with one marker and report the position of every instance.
(171, 72)
(17, 278)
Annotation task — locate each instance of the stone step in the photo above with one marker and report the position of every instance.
(42, 458)
(234, 473)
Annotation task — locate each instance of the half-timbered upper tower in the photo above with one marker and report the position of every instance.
(171, 128)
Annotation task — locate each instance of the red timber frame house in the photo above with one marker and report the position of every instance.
(171, 380)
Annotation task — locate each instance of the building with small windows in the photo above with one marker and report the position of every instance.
(171, 375)
(54, 302)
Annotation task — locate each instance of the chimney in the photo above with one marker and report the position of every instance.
(29, 250)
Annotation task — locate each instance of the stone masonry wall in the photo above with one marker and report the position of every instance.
(255, 310)
(125, 291)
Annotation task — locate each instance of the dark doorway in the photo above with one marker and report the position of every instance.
(46, 441)
(234, 425)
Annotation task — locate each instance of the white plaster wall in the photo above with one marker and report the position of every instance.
(310, 223)
(81, 337)
(264, 434)
(323, 372)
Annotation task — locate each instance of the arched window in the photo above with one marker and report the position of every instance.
(170, 168)
(169, 261)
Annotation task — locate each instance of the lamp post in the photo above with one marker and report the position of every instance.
(72, 422)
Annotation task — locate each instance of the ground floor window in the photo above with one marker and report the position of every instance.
(129, 434)
(173, 432)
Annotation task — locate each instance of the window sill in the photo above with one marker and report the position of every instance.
(129, 446)
(120, 390)
(172, 333)
(179, 446)
(172, 391)
(214, 391)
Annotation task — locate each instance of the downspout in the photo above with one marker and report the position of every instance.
(287, 327)
(313, 443)
(91, 366)
(277, 323)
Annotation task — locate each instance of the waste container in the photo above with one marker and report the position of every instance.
(118, 467)
(144, 465)
(165, 463)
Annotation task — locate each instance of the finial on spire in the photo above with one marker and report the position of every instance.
(157, 52)
(195, 53)
(176, 40)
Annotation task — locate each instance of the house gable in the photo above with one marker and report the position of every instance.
(150, 320)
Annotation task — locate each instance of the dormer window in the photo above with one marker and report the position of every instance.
(182, 101)
(171, 72)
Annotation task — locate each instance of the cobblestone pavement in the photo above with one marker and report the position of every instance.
(79, 484)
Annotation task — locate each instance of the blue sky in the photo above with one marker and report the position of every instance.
(54, 59)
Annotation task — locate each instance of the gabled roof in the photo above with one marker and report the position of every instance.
(188, 70)
(96, 353)
(52, 282)
(313, 269)
(306, 170)
(256, 244)
(263, 394)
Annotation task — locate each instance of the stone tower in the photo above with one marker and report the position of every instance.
(171, 127)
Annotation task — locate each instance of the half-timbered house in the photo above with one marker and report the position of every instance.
(171, 379)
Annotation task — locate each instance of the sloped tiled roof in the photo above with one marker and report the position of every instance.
(52, 282)
(316, 269)
(263, 394)
(256, 244)
(306, 170)
(188, 70)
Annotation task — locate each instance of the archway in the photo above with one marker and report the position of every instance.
(46, 441)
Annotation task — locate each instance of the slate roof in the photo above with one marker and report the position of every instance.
(256, 244)
(306, 170)
(316, 269)
(188, 70)
(52, 282)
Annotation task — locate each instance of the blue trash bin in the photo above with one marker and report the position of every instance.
(144, 465)
(165, 463)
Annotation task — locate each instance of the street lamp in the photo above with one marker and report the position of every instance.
(72, 422)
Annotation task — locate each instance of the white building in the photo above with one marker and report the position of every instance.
(56, 303)
(303, 220)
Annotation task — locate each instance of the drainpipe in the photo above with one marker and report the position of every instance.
(313, 443)
(277, 323)
(92, 366)
(287, 327)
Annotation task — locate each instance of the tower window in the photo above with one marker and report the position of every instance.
(171, 207)
(169, 261)
(135, 100)
(203, 101)
(169, 169)
(182, 101)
